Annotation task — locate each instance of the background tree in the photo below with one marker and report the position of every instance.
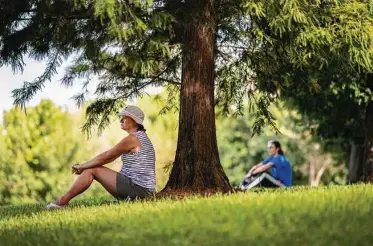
(37, 151)
(347, 127)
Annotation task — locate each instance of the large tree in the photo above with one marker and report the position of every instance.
(193, 47)
(129, 45)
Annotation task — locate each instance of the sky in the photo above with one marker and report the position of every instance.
(52, 90)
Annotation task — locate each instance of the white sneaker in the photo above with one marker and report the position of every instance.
(54, 206)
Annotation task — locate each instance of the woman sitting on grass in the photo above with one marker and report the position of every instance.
(277, 164)
(136, 178)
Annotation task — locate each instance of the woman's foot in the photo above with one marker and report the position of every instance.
(57, 204)
(51, 206)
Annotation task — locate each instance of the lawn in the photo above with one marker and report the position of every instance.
(340, 215)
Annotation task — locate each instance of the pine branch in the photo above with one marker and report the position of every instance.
(71, 17)
(172, 82)
(99, 112)
(23, 95)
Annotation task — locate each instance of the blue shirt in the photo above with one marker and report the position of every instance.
(281, 169)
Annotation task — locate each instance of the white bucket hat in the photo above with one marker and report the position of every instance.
(134, 113)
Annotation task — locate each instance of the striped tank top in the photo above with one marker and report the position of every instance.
(140, 166)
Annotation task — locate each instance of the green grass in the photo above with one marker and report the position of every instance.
(299, 216)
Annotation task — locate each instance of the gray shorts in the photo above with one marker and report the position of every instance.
(126, 189)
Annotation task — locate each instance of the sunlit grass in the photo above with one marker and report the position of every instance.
(299, 216)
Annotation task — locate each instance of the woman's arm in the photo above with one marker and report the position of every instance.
(253, 168)
(126, 145)
(262, 168)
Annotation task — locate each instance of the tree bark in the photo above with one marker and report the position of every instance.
(197, 164)
(361, 155)
(368, 167)
(355, 163)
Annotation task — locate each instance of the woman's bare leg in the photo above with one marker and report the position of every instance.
(105, 176)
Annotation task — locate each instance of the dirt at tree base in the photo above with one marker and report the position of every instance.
(190, 192)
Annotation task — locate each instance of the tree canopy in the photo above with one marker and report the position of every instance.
(135, 44)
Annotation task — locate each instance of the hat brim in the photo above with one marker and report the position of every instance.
(136, 119)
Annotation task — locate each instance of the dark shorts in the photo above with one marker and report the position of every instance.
(126, 189)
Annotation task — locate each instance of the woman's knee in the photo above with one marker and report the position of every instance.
(96, 171)
(90, 171)
(101, 174)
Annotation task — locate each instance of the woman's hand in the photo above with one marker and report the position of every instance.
(77, 169)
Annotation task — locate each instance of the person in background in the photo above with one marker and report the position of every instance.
(274, 171)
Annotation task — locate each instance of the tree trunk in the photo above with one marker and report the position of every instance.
(355, 163)
(321, 171)
(317, 167)
(361, 155)
(197, 164)
(311, 171)
(368, 167)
